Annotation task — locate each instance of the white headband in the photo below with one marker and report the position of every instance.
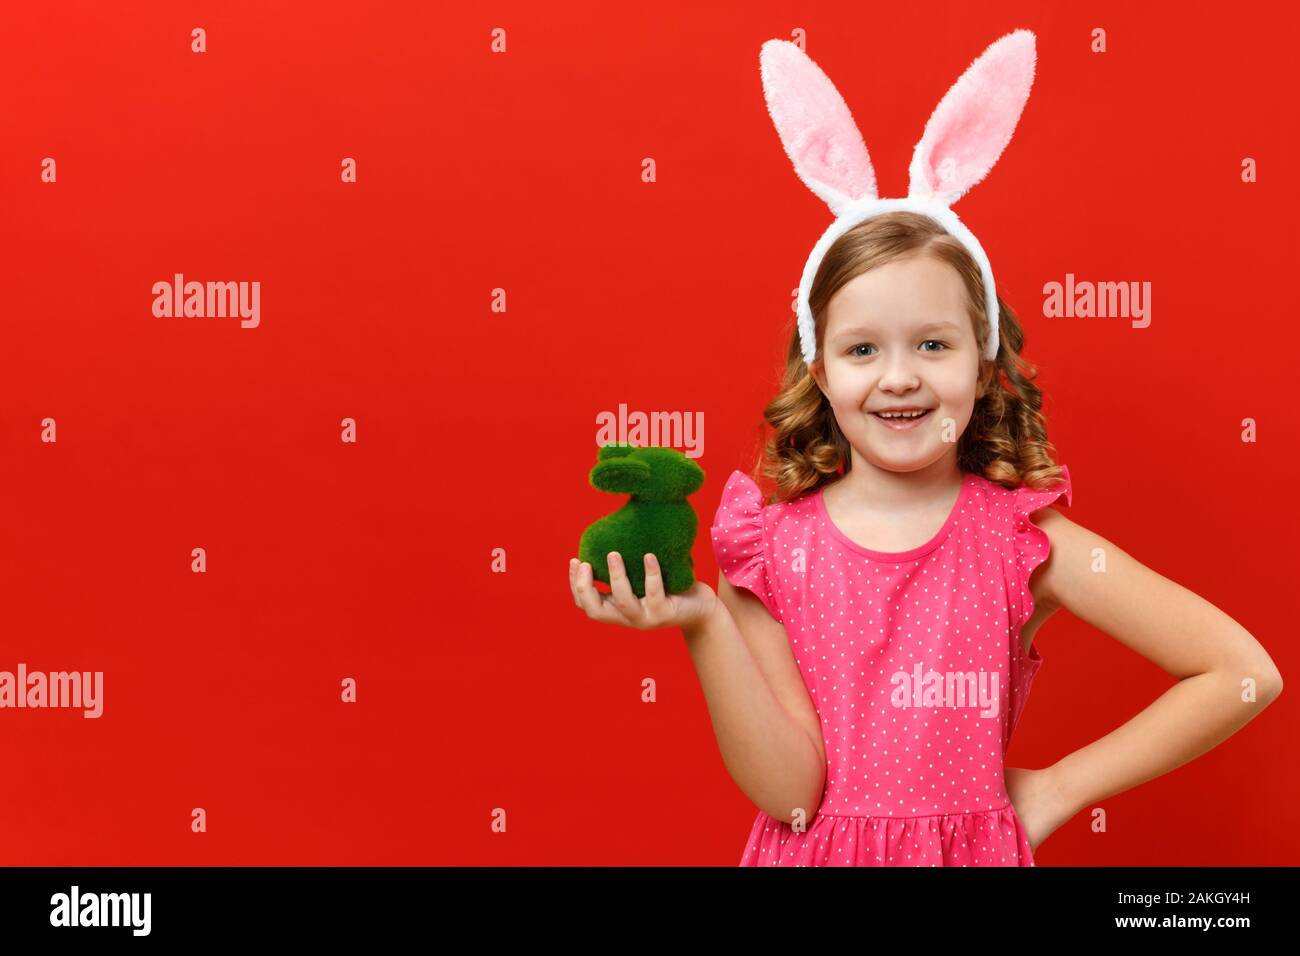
(962, 141)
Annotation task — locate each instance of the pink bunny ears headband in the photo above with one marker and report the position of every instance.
(962, 141)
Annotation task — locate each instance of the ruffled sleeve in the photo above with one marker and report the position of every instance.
(1032, 545)
(739, 541)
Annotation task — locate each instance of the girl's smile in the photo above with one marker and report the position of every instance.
(902, 421)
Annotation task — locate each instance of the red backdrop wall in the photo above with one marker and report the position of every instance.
(521, 171)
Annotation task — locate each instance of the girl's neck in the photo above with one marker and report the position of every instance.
(879, 489)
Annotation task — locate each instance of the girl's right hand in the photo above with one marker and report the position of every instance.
(656, 610)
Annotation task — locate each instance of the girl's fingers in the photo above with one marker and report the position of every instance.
(582, 593)
(597, 606)
(654, 582)
(574, 564)
(624, 599)
(575, 583)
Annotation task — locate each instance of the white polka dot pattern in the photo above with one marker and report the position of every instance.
(914, 776)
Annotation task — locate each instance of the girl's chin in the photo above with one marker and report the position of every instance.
(901, 458)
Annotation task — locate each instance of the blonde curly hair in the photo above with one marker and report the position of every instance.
(1006, 439)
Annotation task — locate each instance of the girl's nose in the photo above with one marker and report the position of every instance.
(898, 373)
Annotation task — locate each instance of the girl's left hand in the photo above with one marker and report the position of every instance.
(1037, 802)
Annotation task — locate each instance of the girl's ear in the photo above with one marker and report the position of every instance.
(817, 370)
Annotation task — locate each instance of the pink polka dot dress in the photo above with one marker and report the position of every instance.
(915, 665)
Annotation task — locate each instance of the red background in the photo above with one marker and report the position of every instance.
(476, 429)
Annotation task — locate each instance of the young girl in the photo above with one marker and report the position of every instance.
(869, 649)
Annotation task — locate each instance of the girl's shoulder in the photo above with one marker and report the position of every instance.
(746, 531)
(741, 521)
(742, 508)
(1010, 512)
(1017, 504)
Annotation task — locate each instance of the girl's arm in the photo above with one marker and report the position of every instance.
(768, 731)
(1212, 655)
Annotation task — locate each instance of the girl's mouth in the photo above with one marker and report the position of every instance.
(902, 423)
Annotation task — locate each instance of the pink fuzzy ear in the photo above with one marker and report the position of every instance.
(974, 121)
(815, 126)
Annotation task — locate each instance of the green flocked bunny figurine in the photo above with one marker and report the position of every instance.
(657, 519)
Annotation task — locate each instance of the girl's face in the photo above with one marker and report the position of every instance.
(900, 336)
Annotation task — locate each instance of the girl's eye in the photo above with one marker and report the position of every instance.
(866, 345)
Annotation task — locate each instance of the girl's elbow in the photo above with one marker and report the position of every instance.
(1252, 668)
(800, 817)
(1269, 681)
(1266, 678)
(1273, 687)
(811, 805)
(805, 808)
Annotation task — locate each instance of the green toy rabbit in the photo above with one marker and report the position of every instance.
(657, 519)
